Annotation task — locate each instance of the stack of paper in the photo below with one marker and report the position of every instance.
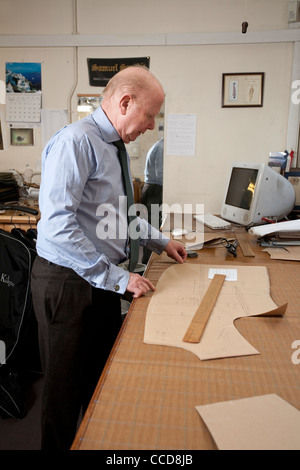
(280, 227)
(282, 240)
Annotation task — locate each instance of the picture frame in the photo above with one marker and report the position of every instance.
(21, 136)
(242, 90)
(294, 178)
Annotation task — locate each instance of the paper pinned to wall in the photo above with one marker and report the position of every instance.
(181, 134)
(52, 120)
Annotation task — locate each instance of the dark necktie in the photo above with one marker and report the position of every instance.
(134, 242)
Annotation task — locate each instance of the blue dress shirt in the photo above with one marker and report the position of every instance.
(82, 201)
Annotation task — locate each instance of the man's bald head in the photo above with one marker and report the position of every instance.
(131, 100)
(132, 80)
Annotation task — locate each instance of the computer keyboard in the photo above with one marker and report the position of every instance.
(212, 221)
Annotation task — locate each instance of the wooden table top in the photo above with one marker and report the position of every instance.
(147, 394)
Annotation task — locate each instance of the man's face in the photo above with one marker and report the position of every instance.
(138, 116)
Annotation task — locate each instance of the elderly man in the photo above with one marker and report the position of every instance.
(76, 281)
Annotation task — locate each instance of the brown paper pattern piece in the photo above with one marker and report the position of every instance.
(178, 295)
(265, 422)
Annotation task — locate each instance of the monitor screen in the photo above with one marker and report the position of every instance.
(241, 187)
(254, 193)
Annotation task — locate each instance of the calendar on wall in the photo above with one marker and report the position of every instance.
(23, 91)
(23, 107)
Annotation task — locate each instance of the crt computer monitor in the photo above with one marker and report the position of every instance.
(255, 191)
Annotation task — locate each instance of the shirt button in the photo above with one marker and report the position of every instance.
(117, 287)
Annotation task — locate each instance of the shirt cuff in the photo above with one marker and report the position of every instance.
(117, 279)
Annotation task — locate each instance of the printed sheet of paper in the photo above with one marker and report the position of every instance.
(178, 295)
(52, 120)
(265, 422)
(181, 134)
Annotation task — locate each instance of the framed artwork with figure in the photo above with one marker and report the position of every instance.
(241, 90)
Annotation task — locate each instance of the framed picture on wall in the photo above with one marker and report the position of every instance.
(21, 137)
(294, 178)
(241, 90)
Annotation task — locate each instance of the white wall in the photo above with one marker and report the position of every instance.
(224, 134)
(57, 81)
(190, 72)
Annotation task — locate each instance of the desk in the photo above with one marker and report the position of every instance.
(146, 396)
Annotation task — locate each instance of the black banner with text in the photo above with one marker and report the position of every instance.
(102, 70)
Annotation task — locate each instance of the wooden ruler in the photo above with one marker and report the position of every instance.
(198, 323)
(243, 239)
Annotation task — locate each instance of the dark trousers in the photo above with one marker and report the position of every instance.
(77, 325)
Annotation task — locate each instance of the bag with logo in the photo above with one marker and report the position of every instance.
(18, 327)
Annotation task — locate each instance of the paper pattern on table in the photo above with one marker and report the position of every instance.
(178, 295)
(265, 422)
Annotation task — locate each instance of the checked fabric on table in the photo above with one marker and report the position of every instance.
(133, 240)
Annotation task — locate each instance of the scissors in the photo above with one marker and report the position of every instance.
(230, 247)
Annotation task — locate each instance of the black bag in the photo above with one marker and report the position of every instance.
(12, 394)
(18, 325)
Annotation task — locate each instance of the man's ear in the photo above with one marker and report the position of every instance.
(124, 103)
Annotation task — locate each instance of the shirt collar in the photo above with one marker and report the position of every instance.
(107, 130)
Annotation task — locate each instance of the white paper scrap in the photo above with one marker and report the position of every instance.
(231, 274)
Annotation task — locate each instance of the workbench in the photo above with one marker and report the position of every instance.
(147, 394)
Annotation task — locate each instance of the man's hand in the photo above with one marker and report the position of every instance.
(176, 251)
(139, 285)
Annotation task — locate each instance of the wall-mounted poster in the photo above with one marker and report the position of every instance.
(102, 70)
(23, 77)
